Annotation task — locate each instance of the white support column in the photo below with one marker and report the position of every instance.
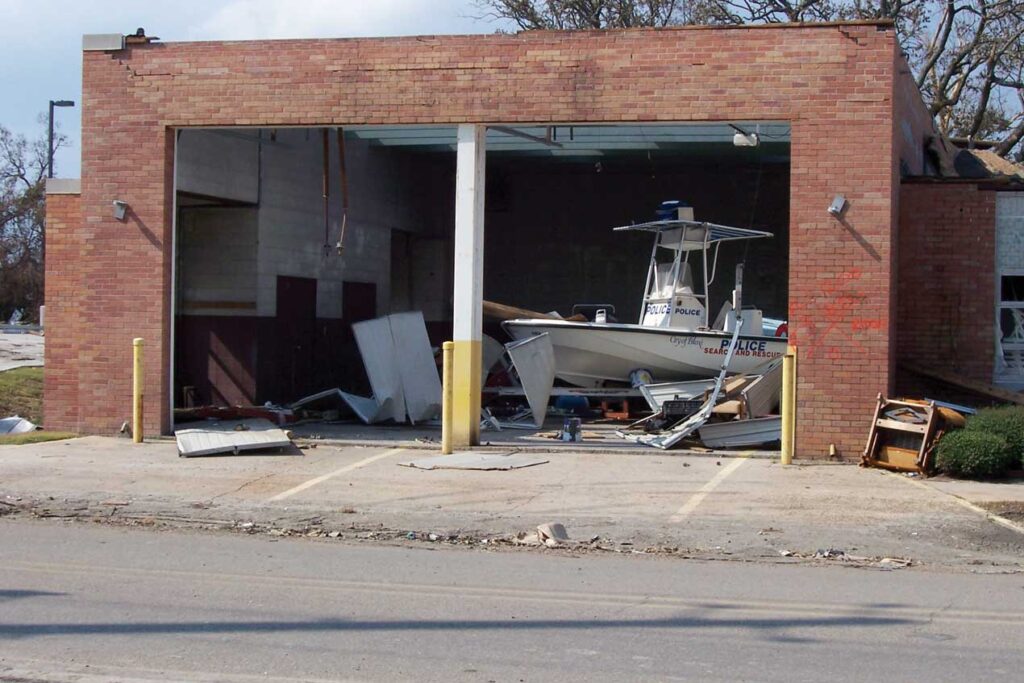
(469, 283)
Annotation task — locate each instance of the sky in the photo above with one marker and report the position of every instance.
(41, 41)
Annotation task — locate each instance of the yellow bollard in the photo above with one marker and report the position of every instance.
(447, 371)
(788, 405)
(137, 390)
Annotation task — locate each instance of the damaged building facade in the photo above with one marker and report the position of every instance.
(274, 193)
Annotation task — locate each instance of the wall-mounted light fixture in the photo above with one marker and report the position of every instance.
(120, 209)
(838, 206)
(744, 139)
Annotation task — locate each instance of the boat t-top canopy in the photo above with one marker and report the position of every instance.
(694, 235)
(683, 237)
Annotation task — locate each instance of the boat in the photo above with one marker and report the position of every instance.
(675, 338)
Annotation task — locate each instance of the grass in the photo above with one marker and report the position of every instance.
(34, 437)
(21, 393)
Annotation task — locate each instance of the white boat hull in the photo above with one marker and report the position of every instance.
(592, 354)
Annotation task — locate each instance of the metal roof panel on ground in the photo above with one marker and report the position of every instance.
(228, 436)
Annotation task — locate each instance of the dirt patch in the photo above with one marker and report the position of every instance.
(1011, 509)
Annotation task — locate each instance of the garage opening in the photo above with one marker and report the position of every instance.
(265, 299)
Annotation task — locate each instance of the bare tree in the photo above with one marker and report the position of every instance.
(587, 14)
(970, 70)
(967, 55)
(22, 214)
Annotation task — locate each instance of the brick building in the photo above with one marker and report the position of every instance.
(224, 261)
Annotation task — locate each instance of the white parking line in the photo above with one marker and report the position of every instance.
(702, 493)
(324, 477)
(991, 516)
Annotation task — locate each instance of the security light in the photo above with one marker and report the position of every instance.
(120, 209)
(746, 140)
(839, 206)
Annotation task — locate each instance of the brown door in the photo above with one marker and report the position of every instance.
(296, 330)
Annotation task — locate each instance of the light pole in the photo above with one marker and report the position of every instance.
(49, 158)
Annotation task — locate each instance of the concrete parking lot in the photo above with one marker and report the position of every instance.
(745, 508)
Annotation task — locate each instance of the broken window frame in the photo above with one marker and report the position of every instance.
(1009, 345)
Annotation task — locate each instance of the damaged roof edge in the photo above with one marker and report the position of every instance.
(102, 42)
(63, 186)
(105, 41)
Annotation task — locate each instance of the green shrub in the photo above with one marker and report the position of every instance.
(974, 454)
(1006, 422)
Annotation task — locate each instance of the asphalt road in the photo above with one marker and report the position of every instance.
(96, 604)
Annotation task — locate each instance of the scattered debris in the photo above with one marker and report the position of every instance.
(534, 362)
(728, 412)
(16, 425)
(692, 392)
(421, 385)
(377, 348)
(523, 538)
(552, 534)
(400, 366)
(276, 414)
(212, 437)
(366, 409)
(894, 562)
(476, 460)
(498, 311)
(571, 430)
(739, 433)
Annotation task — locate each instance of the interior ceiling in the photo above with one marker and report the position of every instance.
(595, 141)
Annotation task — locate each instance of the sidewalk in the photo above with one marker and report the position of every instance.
(743, 508)
(19, 349)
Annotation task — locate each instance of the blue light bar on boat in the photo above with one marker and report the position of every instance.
(715, 233)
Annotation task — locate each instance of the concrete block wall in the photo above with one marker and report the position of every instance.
(291, 221)
(217, 261)
(221, 164)
(947, 256)
(282, 175)
(835, 84)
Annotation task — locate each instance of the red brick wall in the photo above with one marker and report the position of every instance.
(947, 278)
(834, 84)
(63, 253)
